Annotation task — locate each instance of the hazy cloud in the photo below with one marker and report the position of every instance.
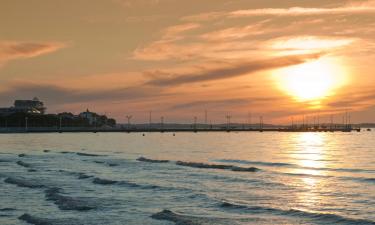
(53, 94)
(224, 103)
(133, 3)
(352, 8)
(211, 103)
(230, 71)
(10, 50)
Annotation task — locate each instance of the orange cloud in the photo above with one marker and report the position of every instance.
(352, 8)
(11, 50)
(230, 70)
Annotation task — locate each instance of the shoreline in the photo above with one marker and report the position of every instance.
(166, 130)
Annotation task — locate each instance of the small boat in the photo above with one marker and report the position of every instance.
(368, 129)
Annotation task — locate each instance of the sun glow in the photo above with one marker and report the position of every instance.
(311, 81)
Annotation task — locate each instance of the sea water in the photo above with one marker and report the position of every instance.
(189, 178)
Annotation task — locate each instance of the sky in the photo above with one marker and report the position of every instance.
(283, 60)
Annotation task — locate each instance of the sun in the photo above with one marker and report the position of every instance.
(311, 81)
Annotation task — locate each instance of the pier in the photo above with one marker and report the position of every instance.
(170, 130)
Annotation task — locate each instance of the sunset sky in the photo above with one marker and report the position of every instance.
(275, 58)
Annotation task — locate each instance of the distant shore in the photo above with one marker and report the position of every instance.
(162, 130)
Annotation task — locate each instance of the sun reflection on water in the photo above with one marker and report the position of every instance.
(311, 151)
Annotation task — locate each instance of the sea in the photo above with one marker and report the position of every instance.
(187, 178)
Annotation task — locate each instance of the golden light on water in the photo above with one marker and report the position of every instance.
(312, 81)
(312, 154)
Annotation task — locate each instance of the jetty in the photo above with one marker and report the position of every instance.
(174, 130)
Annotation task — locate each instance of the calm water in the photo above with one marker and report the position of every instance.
(302, 178)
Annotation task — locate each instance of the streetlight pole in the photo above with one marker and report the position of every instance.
(249, 119)
(195, 123)
(162, 123)
(150, 119)
(129, 118)
(228, 121)
(26, 121)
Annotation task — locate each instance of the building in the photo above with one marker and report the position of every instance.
(90, 116)
(34, 106)
(6, 111)
(30, 106)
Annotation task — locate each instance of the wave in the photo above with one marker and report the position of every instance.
(35, 220)
(111, 182)
(217, 166)
(80, 175)
(4, 161)
(371, 180)
(142, 186)
(355, 179)
(87, 154)
(281, 164)
(66, 152)
(340, 169)
(360, 179)
(44, 221)
(103, 181)
(143, 159)
(320, 217)
(68, 203)
(254, 162)
(83, 176)
(21, 163)
(176, 218)
(54, 194)
(130, 184)
(21, 182)
(180, 219)
(81, 154)
(7, 209)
